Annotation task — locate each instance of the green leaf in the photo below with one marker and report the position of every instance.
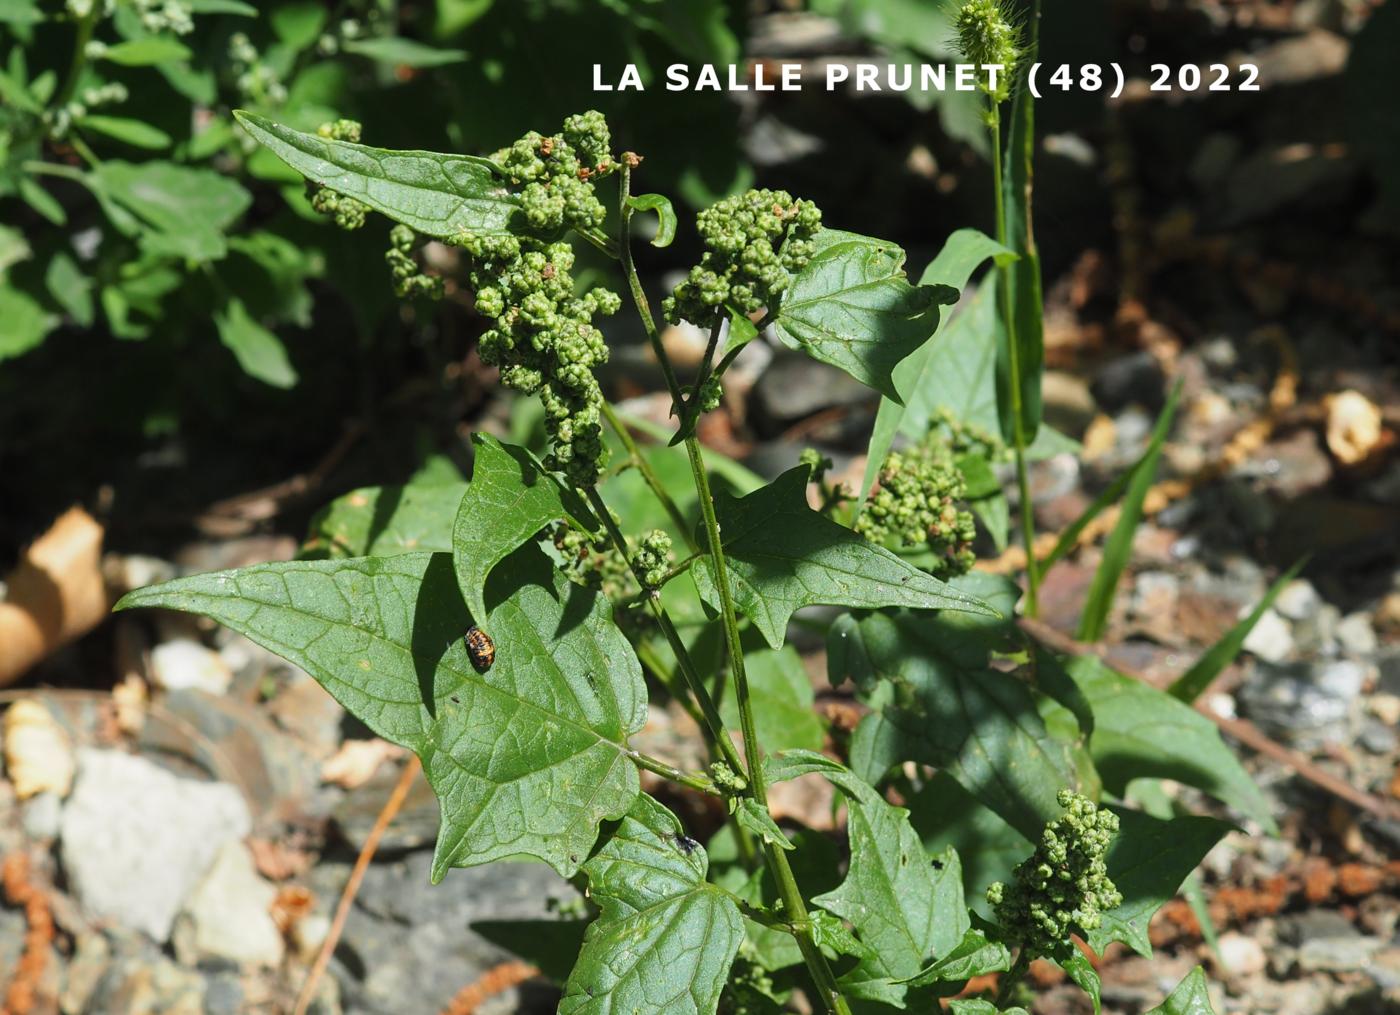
(402, 52)
(975, 955)
(944, 705)
(781, 696)
(1148, 860)
(137, 133)
(42, 201)
(665, 938)
(510, 498)
(852, 307)
(234, 7)
(755, 817)
(1119, 547)
(1192, 684)
(184, 211)
(666, 216)
(1191, 997)
(259, 352)
(1140, 731)
(526, 758)
(146, 52)
(298, 24)
(944, 814)
(782, 556)
(26, 323)
(20, 12)
(1024, 275)
(904, 906)
(438, 195)
(70, 288)
(961, 255)
(1086, 977)
(377, 521)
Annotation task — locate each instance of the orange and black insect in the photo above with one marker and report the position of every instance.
(480, 648)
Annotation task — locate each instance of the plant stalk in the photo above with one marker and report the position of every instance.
(691, 780)
(794, 906)
(639, 297)
(649, 474)
(1013, 368)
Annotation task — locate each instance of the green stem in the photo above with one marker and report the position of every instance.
(673, 638)
(691, 413)
(1013, 977)
(639, 297)
(649, 474)
(1013, 369)
(795, 908)
(691, 780)
(79, 59)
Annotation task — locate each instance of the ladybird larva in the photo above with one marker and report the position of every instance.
(480, 648)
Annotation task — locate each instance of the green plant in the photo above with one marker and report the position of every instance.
(529, 748)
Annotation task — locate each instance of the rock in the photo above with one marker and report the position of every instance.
(38, 753)
(223, 995)
(1356, 634)
(413, 939)
(42, 814)
(1315, 924)
(185, 664)
(1337, 954)
(306, 709)
(1342, 679)
(1317, 635)
(1241, 955)
(1299, 704)
(415, 826)
(1385, 968)
(1271, 639)
(229, 913)
(795, 386)
(1286, 175)
(1069, 406)
(1298, 600)
(1354, 427)
(136, 839)
(149, 984)
(1378, 738)
(1135, 379)
(91, 957)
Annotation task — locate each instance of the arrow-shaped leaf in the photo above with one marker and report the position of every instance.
(782, 556)
(853, 307)
(665, 938)
(526, 758)
(510, 498)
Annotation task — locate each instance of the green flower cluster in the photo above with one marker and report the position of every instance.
(1062, 888)
(556, 174)
(592, 562)
(917, 503)
(653, 558)
(163, 15)
(543, 338)
(752, 241)
(968, 438)
(346, 212)
(987, 36)
(409, 279)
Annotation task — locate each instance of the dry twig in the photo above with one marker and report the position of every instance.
(488, 985)
(21, 890)
(352, 886)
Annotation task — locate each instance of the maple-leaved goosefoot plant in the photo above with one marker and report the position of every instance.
(504, 628)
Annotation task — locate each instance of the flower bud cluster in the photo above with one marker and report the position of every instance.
(752, 242)
(257, 80)
(543, 338)
(593, 562)
(1063, 888)
(987, 37)
(165, 15)
(556, 174)
(917, 502)
(653, 558)
(409, 279)
(345, 211)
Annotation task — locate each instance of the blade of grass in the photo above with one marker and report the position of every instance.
(1193, 683)
(1119, 546)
